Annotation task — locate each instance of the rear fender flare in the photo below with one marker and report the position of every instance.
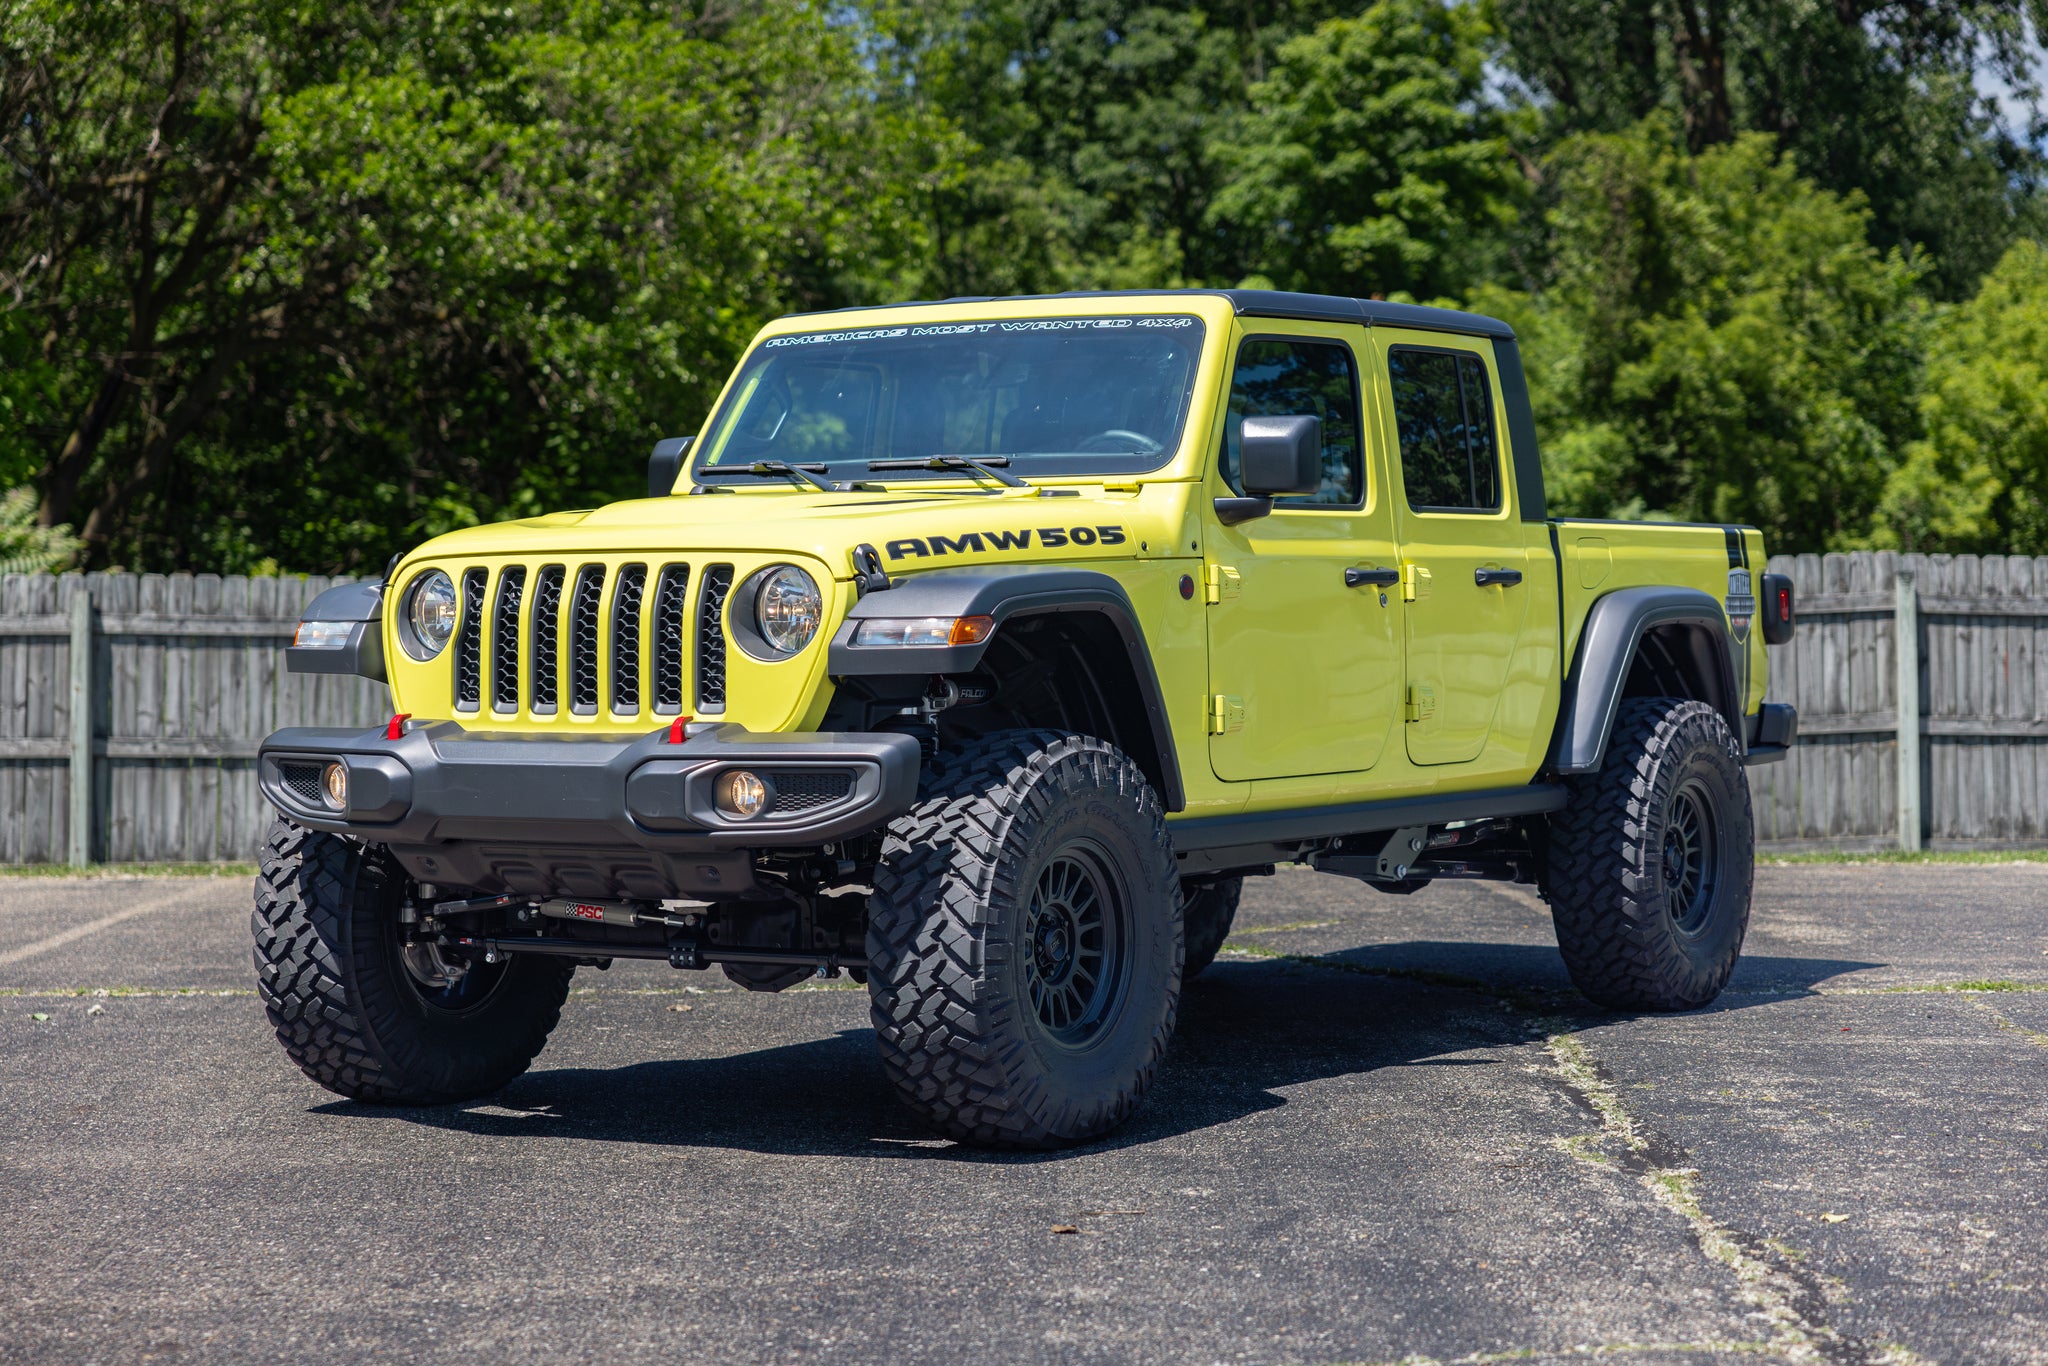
(1004, 592)
(1615, 630)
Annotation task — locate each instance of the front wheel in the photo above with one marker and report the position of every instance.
(1024, 942)
(1650, 865)
(367, 1016)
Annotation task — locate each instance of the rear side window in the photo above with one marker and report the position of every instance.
(1443, 409)
(1291, 378)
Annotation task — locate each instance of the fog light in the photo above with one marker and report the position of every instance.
(741, 795)
(335, 780)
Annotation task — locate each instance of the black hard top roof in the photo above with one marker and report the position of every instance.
(1269, 303)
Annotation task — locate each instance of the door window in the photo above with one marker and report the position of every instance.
(1287, 377)
(1443, 409)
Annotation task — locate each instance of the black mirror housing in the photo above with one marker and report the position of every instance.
(666, 464)
(1280, 456)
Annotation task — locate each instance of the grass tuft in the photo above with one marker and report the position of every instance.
(126, 870)
(1852, 857)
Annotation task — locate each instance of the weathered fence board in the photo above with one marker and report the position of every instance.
(1979, 630)
(189, 676)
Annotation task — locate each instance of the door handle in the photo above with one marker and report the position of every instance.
(1379, 578)
(1488, 578)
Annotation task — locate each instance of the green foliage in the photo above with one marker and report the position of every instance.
(26, 548)
(294, 284)
(1718, 339)
(1977, 482)
(1871, 97)
(460, 264)
(1366, 163)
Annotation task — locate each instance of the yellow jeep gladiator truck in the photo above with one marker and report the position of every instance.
(980, 649)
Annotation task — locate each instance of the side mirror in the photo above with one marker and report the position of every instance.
(666, 464)
(1279, 456)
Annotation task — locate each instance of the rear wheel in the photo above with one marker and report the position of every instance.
(1650, 865)
(1024, 942)
(369, 1017)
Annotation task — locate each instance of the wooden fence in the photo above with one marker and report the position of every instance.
(186, 675)
(183, 676)
(1959, 637)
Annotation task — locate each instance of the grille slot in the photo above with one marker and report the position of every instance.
(547, 621)
(303, 780)
(505, 640)
(469, 643)
(627, 592)
(671, 619)
(584, 605)
(711, 637)
(803, 791)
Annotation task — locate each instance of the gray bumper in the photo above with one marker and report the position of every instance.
(587, 816)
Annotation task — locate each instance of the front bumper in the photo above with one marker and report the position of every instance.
(582, 816)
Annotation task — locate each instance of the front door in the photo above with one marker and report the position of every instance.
(1462, 553)
(1304, 655)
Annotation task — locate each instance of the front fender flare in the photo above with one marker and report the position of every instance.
(1613, 634)
(1003, 592)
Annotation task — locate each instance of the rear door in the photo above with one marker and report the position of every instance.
(1464, 564)
(1304, 658)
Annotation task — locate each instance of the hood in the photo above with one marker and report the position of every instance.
(909, 528)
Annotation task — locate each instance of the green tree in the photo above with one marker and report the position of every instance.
(1095, 122)
(1875, 96)
(1718, 340)
(1977, 482)
(1368, 162)
(338, 279)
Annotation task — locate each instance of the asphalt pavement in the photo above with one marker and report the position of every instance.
(1388, 1132)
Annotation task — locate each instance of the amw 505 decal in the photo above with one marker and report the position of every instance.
(976, 542)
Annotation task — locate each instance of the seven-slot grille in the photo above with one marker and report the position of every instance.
(519, 630)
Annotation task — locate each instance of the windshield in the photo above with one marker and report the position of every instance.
(1050, 396)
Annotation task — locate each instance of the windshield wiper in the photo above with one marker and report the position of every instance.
(979, 464)
(782, 469)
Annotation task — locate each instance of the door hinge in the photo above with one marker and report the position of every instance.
(1421, 702)
(1224, 582)
(1414, 582)
(1226, 715)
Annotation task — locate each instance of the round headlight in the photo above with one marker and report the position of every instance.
(430, 611)
(788, 608)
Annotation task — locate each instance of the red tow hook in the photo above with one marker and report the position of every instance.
(395, 728)
(675, 729)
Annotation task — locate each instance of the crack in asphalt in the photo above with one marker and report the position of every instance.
(1792, 1300)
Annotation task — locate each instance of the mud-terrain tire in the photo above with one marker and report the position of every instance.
(1030, 858)
(1650, 865)
(347, 1009)
(1207, 911)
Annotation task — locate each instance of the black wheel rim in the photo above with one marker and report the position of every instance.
(448, 981)
(1691, 862)
(1077, 947)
